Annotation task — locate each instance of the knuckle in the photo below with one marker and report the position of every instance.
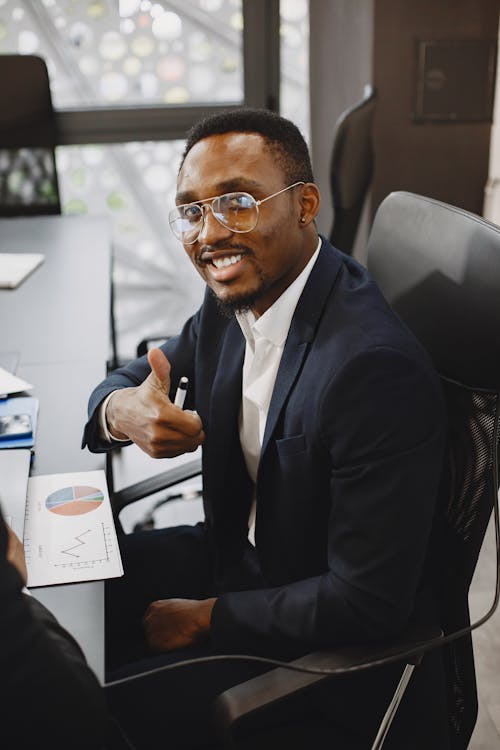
(153, 449)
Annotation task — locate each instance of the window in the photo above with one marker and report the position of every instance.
(128, 77)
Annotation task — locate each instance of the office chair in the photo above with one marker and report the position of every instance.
(28, 176)
(351, 169)
(439, 268)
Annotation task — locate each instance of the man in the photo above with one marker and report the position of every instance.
(322, 429)
(49, 698)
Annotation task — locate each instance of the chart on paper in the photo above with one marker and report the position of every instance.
(86, 549)
(69, 533)
(74, 501)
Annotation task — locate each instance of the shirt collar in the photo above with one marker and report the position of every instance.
(274, 324)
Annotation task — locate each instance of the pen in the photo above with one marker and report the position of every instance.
(181, 391)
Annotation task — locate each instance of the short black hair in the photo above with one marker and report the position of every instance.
(283, 137)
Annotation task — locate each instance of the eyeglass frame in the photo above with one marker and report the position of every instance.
(210, 201)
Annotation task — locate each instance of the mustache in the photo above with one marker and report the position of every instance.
(238, 247)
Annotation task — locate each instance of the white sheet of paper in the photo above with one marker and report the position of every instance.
(10, 383)
(15, 267)
(69, 533)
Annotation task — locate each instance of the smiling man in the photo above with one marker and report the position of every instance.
(322, 428)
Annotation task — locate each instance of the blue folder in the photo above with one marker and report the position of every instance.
(20, 405)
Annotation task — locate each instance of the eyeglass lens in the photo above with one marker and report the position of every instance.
(236, 211)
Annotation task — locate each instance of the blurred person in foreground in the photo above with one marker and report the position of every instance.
(49, 697)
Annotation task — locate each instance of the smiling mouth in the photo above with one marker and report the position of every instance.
(229, 260)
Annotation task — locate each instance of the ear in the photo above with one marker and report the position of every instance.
(310, 200)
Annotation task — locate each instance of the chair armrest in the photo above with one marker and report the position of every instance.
(144, 346)
(159, 482)
(242, 701)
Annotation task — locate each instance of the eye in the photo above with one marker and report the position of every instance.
(191, 212)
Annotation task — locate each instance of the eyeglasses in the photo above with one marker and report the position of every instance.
(238, 212)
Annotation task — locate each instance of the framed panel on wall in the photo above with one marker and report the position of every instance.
(455, 80)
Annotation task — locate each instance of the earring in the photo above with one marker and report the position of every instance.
(302, 220)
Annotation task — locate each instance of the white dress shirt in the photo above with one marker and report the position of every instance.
(265, 342)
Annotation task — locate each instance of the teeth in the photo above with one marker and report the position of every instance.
(225, 262)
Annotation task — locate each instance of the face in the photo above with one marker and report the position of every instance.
(265, 261)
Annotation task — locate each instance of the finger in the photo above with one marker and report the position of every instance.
(176, 445)
(12, 537)
(160, 370)
(182, 435)
(186, 423)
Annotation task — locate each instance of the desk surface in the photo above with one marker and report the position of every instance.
(61, 312)
(58, 321)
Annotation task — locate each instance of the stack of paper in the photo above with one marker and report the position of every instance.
(9, 361)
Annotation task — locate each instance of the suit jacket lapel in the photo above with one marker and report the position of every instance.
(301, 333)
(225, 400)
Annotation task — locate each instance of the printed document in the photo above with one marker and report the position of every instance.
(69, 533)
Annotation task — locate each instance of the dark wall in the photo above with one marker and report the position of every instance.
(443, 160)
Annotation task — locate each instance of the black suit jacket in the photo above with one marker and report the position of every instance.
(349, 472)
(49, 698)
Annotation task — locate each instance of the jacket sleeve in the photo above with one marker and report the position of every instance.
(48, 695)
(381, 422)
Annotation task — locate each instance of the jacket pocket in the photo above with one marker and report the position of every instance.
(292, 445)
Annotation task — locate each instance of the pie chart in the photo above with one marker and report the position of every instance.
(74, 501)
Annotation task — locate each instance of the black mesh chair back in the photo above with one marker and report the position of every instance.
(439, 268)
(351, 169)
(28, 177)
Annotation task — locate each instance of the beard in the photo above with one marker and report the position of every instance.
(241, 303)
(238, 302)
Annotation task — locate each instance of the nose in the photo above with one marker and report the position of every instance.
(211, 229)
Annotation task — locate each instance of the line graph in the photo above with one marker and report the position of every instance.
(93, 547)
(76, 546)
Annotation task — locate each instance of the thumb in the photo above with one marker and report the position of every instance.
(160, 370)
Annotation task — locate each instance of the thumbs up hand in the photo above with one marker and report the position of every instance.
(146, 415)
(160, 371)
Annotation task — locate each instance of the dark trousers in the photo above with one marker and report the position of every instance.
(173, 708)
(176, 704)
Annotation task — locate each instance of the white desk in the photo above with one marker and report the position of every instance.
(58, 320)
